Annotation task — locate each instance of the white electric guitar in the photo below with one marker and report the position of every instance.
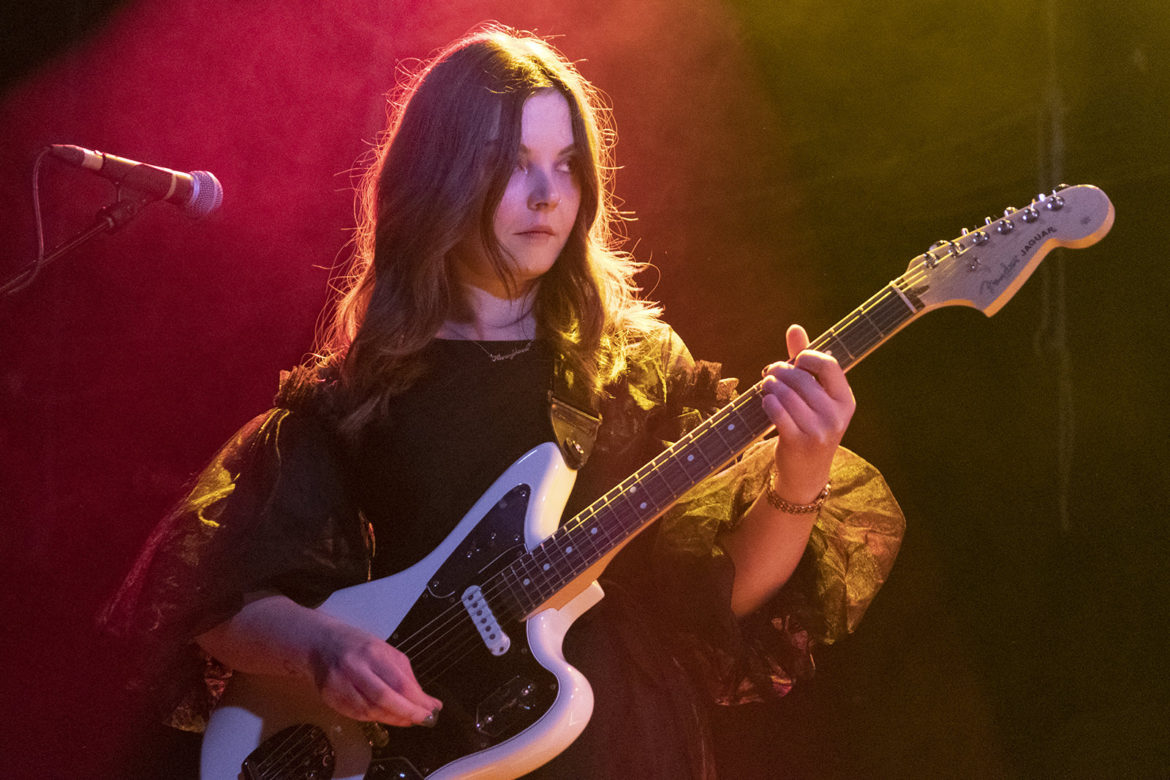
(482, 617)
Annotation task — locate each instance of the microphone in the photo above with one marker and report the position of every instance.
(199, 192)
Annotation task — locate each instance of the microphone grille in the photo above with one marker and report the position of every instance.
(206, 194)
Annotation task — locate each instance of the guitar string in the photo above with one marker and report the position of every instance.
(498, 583)
(432, 633)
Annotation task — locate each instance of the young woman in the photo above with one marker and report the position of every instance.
(487, 282)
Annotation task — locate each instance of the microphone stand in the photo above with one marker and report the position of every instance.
(109, 218)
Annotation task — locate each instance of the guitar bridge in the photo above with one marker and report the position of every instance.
(512, 705)
(485, 621)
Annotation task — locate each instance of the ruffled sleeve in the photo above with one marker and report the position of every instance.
(850, 553)
(268, 514)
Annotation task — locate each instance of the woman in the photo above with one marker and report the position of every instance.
(488, 281)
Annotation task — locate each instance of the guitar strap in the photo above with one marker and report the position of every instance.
(574, 410)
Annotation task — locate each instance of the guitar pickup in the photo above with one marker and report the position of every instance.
(485, 621)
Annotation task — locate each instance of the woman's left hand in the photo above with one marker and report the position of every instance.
(810, 402)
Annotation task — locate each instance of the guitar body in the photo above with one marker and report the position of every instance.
(504, 713)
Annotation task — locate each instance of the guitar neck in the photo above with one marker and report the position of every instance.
(873, 323)
(642, 497)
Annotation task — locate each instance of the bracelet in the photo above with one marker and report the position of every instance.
(789, 507)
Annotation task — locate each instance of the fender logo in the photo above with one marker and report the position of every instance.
(991, 285)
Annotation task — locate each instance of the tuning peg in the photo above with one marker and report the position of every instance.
(1031, 215)
(1054, 203)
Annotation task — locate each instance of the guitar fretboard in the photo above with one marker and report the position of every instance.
(608, 522)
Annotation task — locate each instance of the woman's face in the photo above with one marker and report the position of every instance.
(539, 205)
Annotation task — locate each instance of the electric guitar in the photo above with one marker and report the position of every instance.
(482, 617)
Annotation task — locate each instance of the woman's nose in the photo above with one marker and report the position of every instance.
(543, 192)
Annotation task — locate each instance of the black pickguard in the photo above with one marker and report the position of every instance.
(486, 698)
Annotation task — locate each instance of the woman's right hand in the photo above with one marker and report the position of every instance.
(366, 679)
(356, 673)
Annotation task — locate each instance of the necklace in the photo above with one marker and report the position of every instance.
(496, 358)
(507, 355)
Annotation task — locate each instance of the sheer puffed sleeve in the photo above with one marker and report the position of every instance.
(849, 555)
(267, 514)
(850, 552)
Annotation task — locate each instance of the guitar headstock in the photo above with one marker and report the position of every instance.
(983, 268)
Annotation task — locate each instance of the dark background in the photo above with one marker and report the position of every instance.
(783, 160)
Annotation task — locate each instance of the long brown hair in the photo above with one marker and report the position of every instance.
(440, 172)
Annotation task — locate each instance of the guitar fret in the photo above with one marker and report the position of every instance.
(835, 345)
(864, 334)
(868, 326)
(521, 601)
(585, 536)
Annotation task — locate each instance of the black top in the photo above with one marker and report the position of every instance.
(444, 442)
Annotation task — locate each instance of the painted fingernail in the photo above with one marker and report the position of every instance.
(431, 720)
